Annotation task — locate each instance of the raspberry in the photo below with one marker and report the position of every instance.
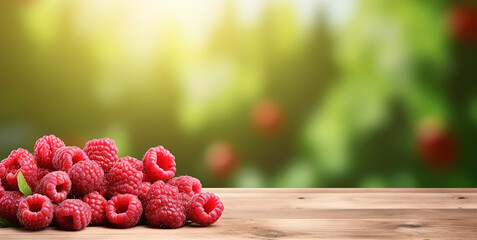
(98, 204)
(55, 185)
(104, 188)
(145, 186)
(20, 160)
(103, 151)
(73, 214)
(124, 210)
(86, 176)
(156, 189)
(185, 199)
(164, 208)
(186, 184)
(54, 222)
(134, 162)
(3, 172)
(2, 191)
(9, 205)
(123, 178)
(35, 212)
(159, 164)
(45, 147)
(205, 209)
(65, 157)
(42, 172)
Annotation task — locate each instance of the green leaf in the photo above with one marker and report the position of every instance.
(23, 185)
(5, 223)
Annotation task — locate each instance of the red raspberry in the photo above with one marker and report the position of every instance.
(42, 172)
(3, 172)
(98, 204)
(104, 188)
(134, 162)
(45, 147)
(145, 186)
(155, 189)
(20, 160)
(124, 210)
(54, 222)
(159, 164)
(35, 212)
(164, 207)
(185, 199)
(9, 205)
(205, 209)
(2, 191)
(157, 185)
(65, 157)
(123, 178)
(73, 214)
(86, 176)
(55, 185)
(103, 151)
(186, 184)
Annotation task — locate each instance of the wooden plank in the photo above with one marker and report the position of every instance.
(441, 214)
(340, 190)
(392, 200)
(276, 229)
(312, 214)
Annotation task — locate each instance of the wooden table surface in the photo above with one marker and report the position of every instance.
(316, 213)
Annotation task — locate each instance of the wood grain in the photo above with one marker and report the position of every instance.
(312, 214)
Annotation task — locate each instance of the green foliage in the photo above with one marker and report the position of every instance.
(5, 223)
(351, 96)
(23, 185)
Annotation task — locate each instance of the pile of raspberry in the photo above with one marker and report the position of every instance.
(73, 188)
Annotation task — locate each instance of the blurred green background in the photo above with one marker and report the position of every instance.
(251, 93)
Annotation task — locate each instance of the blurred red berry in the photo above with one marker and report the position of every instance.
(463, 22)
(267, 117)
(221, 159)
(436, 145)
